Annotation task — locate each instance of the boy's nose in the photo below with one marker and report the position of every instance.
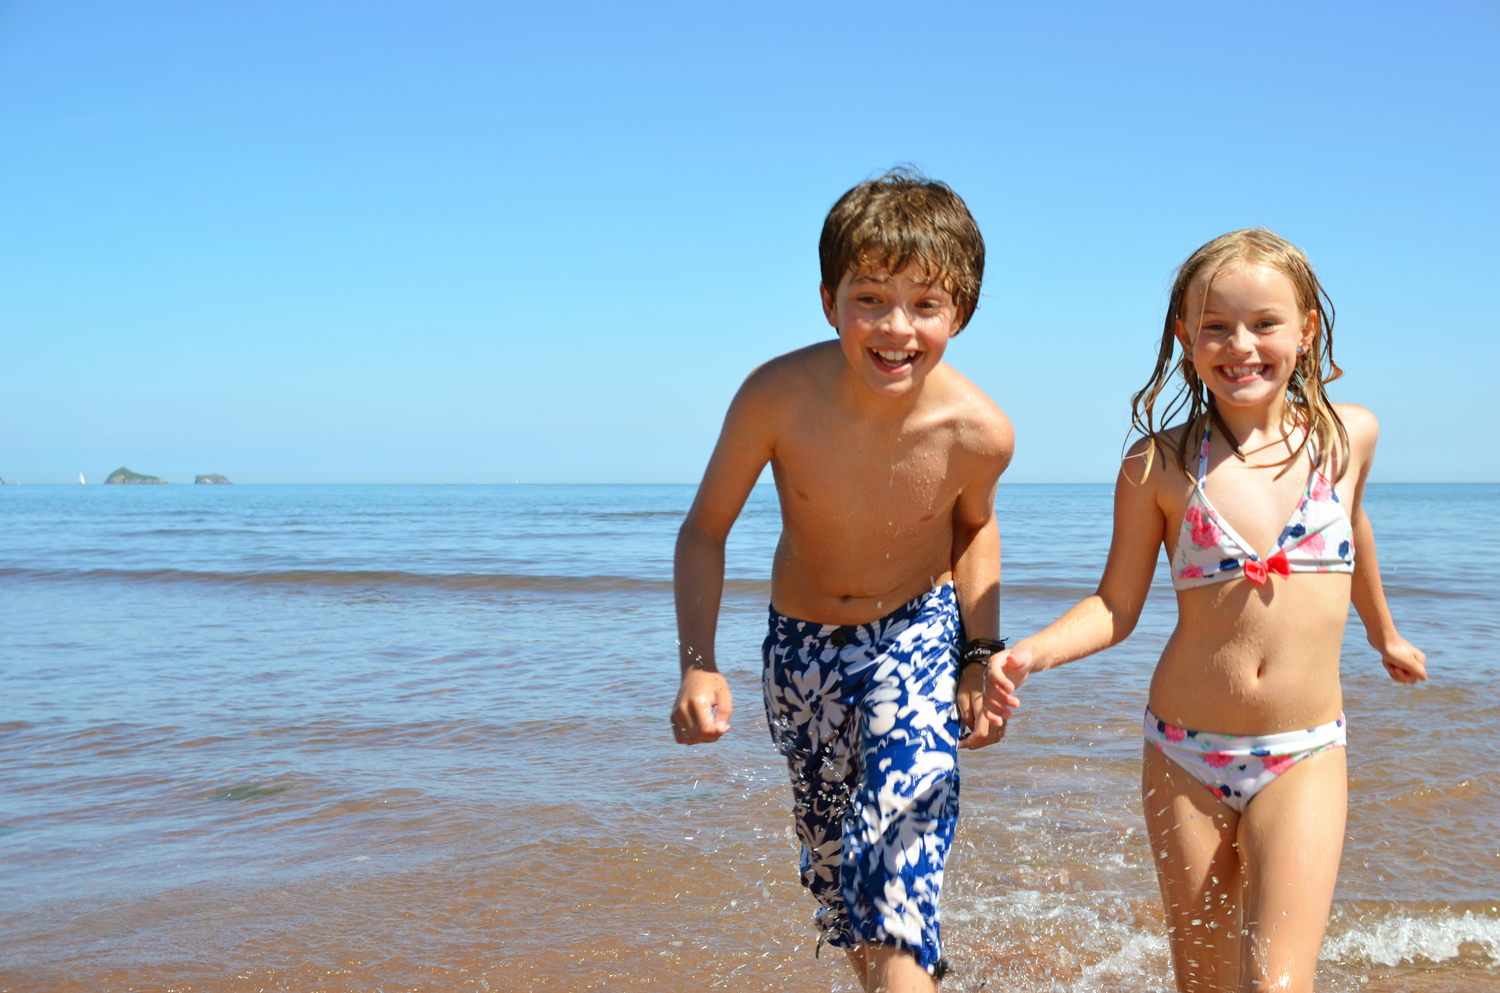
(898, 321)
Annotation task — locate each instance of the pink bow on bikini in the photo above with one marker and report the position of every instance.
(1256, 570)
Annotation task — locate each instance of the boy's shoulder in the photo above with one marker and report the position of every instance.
(983, 426)
(797, 374)
(811, 366)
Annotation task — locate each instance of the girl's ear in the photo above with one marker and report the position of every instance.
(1182, 336)
(830, 309)
(1310, 329)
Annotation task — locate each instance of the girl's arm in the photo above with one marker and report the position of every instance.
(1404, 661)
(1107, 617)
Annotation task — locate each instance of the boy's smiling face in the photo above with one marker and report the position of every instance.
(893, 328)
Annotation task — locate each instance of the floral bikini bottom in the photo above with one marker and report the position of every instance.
(1236, 767)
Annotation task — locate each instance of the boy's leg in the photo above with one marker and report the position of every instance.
(894, 970)
(1193, 840)
(900, 825)
(1291, 837)
(810, 718)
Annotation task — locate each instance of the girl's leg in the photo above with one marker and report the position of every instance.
(1198, 864)
(1291, 836)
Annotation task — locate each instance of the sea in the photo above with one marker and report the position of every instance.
(329, 738)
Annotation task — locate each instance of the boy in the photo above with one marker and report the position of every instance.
(886, 463)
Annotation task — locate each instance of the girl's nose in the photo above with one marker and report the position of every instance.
(1240, 338)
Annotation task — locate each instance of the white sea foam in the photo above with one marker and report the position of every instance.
(1395, 940)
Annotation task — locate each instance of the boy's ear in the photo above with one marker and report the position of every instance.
(830, 308)
(961, 324)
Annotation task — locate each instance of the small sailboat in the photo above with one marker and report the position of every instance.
(80, 479)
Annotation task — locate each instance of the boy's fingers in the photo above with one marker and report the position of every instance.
(984, 733)
(725, 706)
(703, 717)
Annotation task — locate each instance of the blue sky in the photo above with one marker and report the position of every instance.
(482, 243)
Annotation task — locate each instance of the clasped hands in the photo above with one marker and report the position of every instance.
(986, 700)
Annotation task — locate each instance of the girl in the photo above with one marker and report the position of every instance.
(1256, 496)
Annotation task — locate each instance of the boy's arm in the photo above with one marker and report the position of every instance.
(1404, 661)
(704, 704)
(976, 578)
(1107, 617)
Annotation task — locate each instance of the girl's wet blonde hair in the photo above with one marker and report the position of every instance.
(1305, 393)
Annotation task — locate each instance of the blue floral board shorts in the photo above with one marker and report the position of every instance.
(864, 715)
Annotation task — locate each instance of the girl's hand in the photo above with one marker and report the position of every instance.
(980, 730)
(1000, 685)
(1404, 661)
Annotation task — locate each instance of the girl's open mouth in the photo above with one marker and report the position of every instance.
(1243, 373)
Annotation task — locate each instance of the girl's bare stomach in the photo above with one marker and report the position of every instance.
(1247, 659)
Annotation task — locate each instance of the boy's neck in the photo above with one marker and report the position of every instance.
(856, 396)
(860, 398)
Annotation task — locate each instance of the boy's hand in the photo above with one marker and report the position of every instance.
(969, 697)
(701, 713)
(1007, 671)
(1404, 661)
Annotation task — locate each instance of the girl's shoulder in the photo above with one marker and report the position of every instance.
(1157, 457)
(1361, 425)
(1363, 431)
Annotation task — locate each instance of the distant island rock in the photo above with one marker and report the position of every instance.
(124, 475)
(211, 478)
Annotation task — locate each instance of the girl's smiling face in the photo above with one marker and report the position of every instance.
(1243, 334)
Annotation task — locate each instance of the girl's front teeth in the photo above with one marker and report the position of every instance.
(1239, 371)
(895, 358)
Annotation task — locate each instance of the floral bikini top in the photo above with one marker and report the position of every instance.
(1318, 538)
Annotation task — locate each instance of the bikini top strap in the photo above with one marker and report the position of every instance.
(1203, 457)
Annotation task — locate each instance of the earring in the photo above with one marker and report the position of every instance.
(1299, 349)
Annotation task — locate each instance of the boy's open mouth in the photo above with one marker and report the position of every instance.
(1242, 373)
(892, 360)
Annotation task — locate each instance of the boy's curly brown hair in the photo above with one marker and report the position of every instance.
(901, 218)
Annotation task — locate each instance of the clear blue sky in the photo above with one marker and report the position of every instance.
(305, 242)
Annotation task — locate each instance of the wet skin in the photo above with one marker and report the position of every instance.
(1244, 658)
(886, 461)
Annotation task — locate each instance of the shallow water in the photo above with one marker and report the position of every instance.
(347, 738)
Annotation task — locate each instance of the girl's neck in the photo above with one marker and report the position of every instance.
(1256, 426)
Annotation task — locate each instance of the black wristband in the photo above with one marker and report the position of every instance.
(979, 650)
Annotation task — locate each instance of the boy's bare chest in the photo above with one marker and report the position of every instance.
(880, 482)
